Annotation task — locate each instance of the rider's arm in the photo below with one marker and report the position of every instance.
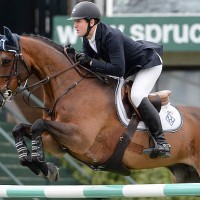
(115, 50)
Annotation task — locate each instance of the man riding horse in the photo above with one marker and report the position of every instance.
(109, 51)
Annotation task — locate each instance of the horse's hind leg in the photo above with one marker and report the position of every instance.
(183, 173)
(24, 154)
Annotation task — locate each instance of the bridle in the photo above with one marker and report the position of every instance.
(14, 70)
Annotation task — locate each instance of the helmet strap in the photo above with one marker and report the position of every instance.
(89, 27)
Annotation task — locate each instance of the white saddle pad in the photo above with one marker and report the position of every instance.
(170, 117)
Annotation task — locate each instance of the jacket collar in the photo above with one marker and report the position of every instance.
(98, 31)
(98, 37)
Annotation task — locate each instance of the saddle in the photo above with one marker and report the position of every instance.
(158, 99)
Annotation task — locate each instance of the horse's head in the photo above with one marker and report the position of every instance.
(9, 55)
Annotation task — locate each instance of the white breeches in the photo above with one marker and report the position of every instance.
(144, 82)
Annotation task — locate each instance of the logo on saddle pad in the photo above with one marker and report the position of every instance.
(170, 119)
(170, 116)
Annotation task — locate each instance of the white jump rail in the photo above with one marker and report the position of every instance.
(100, 191)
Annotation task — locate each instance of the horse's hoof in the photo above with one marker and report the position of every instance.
(53, 172)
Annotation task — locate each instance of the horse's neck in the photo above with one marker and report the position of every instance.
(45, 61)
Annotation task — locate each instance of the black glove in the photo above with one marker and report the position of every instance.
(70, 49)
(84, 59)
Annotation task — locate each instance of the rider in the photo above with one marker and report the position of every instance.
(109, 51)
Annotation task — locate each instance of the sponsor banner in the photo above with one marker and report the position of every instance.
(176, 33)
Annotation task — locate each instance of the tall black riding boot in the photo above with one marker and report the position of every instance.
(151, 118)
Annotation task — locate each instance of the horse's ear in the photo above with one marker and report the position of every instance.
(10, 37)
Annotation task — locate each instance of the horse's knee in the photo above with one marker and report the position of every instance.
(17, 129)
(38, 126)
(20, 129)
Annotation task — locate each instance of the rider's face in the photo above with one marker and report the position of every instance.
(81, 27)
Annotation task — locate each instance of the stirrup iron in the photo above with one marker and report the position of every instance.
(155, 152)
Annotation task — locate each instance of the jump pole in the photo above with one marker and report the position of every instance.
(100, 191)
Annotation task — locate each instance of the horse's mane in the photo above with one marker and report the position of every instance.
(46, 40)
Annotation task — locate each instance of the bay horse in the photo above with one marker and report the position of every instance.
(80, 116)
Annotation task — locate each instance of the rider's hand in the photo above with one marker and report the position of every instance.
(84, 59)
(70, 49)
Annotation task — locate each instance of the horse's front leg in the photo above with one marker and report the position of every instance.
(19, 131)
(59, 133)
(49, 170)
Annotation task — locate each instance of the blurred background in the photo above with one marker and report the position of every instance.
(173, 23)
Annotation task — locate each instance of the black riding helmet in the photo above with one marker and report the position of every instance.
(86, 10)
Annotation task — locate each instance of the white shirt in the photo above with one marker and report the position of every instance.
(93, 42)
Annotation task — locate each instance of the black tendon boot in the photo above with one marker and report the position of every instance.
(151, 118)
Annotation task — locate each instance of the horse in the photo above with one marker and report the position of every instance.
(80, 116)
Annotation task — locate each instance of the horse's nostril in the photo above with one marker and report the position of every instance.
(7, 94)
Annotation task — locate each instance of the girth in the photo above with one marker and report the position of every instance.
(114, 163)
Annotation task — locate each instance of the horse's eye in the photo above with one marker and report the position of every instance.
(6, 61)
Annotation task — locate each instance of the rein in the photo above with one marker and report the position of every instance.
(47, 79)
(50, 112)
